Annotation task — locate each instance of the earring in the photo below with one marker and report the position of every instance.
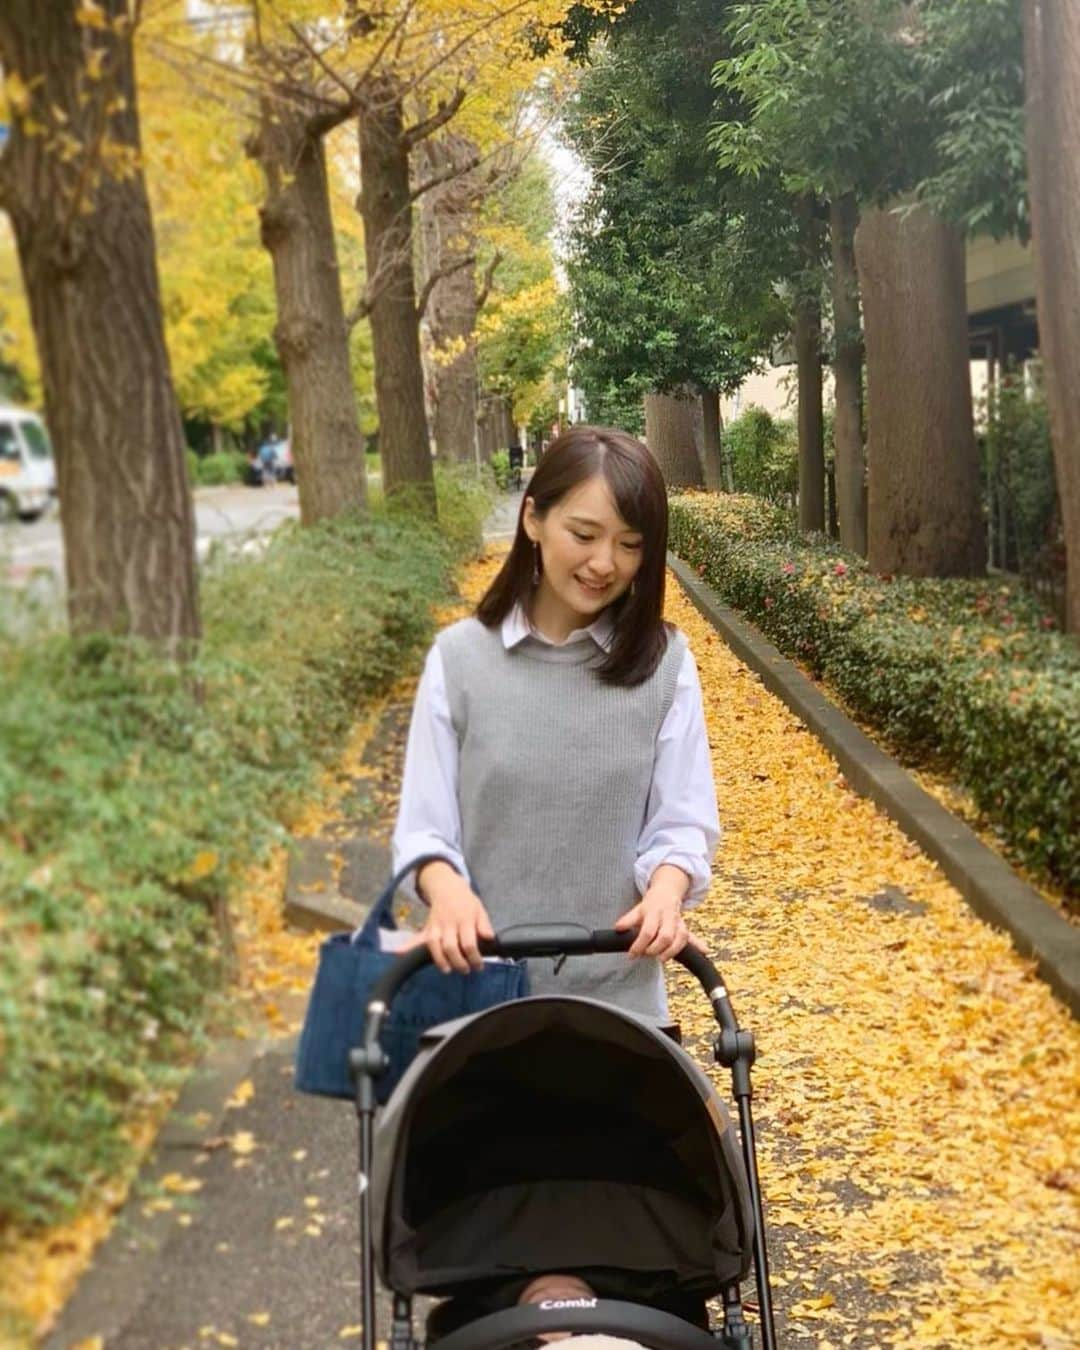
(633, 588)
(536, 564)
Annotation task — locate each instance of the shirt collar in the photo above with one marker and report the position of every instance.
(516, 628)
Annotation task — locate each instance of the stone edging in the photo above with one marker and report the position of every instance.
(989, 885)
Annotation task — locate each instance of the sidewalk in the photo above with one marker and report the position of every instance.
(915, 1090)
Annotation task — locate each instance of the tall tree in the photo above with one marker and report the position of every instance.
(450, 302)
(266, 66)
(675, 433)
(1052, 57)
(386, 205)
(661, 302)
(311, 333)
(869, 103)
(925, 517)
(71, 179)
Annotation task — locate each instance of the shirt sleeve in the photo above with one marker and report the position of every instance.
(429, 818)
(682, 825)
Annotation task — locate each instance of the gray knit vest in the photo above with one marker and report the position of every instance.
(555, 770)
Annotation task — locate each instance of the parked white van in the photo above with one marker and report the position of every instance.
(27, 469)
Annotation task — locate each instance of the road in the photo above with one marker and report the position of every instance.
(27, 549)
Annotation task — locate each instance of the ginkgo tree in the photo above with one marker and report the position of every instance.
(402, 74)
(71, 180)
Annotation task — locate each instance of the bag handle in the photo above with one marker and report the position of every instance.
(380, 915)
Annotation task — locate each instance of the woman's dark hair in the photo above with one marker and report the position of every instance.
(637, 485)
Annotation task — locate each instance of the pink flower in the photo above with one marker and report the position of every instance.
(788, 568)
(840, 569)
(769, 602)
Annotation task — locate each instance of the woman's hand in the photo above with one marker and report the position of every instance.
(658, 916)
(457, 919)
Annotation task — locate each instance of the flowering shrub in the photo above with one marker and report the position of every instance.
(969, 671)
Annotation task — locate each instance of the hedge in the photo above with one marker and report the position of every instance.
(971, 673)
(133, 795)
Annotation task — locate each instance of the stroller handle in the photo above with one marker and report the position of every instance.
(558, 940)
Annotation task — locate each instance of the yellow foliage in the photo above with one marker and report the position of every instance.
(916, 1086)
(216, 279)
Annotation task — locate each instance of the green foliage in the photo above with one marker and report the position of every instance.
(227, 466)
(966, 672)
(1018, 472)
(465, 500)
(764, 455)
(881, 98)
(500, 467)
(522, 330)
(134, 793)
(661, 291)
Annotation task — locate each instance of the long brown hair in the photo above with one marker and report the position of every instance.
(637, 485)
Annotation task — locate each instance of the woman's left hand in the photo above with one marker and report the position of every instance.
(658, 916)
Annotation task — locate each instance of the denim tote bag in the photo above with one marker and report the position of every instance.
(349, 966)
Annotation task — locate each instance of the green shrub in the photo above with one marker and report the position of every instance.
(133, 794)
(968, 671)
(227, 466)
(1018, 472)
(764, 455)
(500, 467)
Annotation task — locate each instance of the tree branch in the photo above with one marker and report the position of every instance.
(360, 310)
(454, 171)
(436, 277)
(489, 277)
(412, 136)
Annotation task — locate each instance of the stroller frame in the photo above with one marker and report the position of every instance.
(733, 1048)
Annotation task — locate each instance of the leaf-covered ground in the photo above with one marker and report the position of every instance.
(917, 1087)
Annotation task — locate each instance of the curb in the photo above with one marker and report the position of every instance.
(989, 885)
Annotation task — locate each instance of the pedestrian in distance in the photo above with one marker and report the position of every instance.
(516, 457)
(557, 759)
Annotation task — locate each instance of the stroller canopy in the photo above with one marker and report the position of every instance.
(557, 1134)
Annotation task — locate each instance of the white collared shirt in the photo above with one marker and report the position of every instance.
(681, 827)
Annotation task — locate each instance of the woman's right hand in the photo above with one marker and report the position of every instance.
(457, 919)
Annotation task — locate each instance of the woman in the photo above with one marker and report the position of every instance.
(557, 758)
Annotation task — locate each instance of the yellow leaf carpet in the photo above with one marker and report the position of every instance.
(917, 1086)
(916, 1089)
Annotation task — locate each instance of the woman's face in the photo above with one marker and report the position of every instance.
(589, 556)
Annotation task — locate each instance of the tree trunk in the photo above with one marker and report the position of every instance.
(1052, 61)
(86, 250)
(311, 333)
(924, 517)
(711, 455)
(847, 372)
(386, 208)
(674, 431)
(808, 360)
(449, 239)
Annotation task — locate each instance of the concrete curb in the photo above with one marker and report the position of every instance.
(989, 885)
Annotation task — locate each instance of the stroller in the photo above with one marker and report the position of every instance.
(560, 1134)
